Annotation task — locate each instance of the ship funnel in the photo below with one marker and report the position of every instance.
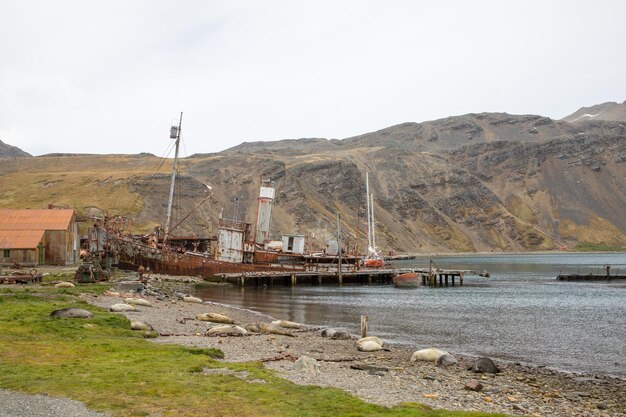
(264, 214)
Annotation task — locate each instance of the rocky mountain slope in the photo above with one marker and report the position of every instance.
(606, 111)
(478, 182)
(8, 151)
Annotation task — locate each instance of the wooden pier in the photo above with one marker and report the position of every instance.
(434, 278)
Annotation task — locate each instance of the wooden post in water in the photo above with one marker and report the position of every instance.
(461, 278)
(293, 279)
(363, 326)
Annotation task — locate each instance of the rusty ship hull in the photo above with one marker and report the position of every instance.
(133, 254)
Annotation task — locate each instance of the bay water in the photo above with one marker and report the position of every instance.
(520, 313)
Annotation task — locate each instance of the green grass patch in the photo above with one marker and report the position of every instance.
(597, 247)
(102, 363)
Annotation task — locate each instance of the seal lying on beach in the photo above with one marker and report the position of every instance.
(372, 339)
(484, 365)
(253, 327)
(117, 308)
(72, 313)
(287, 324)
(368, 346)
(429, 355)
(274, 329)
(445, 360)
(215, 318)
(138, 302)
(336, 334)
(227, 330)
(191, 299)
(138, 325)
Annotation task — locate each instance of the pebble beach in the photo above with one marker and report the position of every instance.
(386, 377)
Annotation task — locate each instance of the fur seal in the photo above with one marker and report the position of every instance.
(72, 313)
(429, 355)
(227, 330)
(190, 299)
(368, 346)
(445, 360)
(138, 302)
(274, 329)
(484, 365)
(138, 325)
(335, 334)
(371, 338)
(287, 324)
(215, 318)
(253, 327)
(64, 284)
(117, 308)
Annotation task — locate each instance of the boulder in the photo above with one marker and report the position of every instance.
(473, 385)
(191, 299)
(307, 365)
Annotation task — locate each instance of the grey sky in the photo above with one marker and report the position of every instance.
(110, 76)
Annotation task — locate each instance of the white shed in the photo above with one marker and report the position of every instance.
(293, 244)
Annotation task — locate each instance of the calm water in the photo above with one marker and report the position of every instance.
(521, 313)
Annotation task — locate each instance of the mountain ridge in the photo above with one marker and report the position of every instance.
(477, 182)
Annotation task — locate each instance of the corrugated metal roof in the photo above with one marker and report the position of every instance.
(30, 219)
(20, 239)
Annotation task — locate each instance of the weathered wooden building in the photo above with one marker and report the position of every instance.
(32, 237)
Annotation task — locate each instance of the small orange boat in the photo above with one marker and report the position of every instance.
(373, 263)
(408, 279)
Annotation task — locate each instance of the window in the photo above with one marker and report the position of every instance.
(290, 243)
(7, 253)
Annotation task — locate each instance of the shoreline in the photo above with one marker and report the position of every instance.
(390, 378)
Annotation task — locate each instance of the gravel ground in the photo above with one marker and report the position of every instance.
(15, 404)
(386, 377)
(391, 378)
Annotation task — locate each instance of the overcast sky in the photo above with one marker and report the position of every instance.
(110, 76)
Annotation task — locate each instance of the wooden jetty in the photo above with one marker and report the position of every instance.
(432, 278)
(589, 277)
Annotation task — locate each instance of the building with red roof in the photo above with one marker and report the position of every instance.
(31, 237)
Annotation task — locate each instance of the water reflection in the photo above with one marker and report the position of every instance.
(520, 313)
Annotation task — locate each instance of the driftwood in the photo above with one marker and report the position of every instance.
(290, 357)
(367, 367)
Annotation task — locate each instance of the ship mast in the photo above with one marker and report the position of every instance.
(174, 134)
(369, 216)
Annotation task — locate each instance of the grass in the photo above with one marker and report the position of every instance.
(597, 247)
(102, 363)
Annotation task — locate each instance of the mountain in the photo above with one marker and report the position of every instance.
(477, 182)
(606, 111)
(8, 151)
